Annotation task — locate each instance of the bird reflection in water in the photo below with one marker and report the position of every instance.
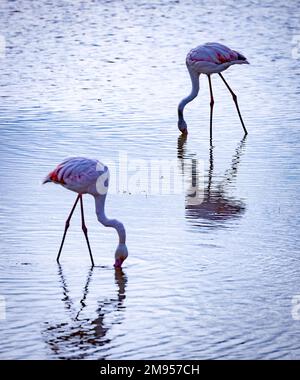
(80, 336)
(216, 206)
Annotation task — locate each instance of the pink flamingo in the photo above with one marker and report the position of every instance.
(208, 59)
(86, 176)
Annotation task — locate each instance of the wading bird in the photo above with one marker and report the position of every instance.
(208, 59)
(86, 176)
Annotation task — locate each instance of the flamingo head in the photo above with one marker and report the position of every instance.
(182, 126)
(120, 255)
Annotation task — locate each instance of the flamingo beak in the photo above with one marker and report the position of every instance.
(182, 127)
(119, 262)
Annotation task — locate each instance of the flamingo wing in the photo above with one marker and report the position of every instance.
(214, 53)
(76, 172)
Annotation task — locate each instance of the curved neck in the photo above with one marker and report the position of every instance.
(195, 89)
(114, 223)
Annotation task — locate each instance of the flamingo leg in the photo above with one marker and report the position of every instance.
(67, 225)
(211, 107)
(84, 229)
(235, 101)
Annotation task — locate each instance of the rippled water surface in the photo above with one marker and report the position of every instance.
(103, 78)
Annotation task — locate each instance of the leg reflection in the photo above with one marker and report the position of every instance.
(218, 205)
(82, 331)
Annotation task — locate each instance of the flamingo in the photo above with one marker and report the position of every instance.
(88, 176)
(208, 59)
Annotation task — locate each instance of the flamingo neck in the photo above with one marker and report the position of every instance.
(114, 223)
(195, 89)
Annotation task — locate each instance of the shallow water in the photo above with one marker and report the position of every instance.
(97, 78)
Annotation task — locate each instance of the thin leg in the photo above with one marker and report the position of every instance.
(84, 229)
(66, 227)
(211, 107)
(235, 101)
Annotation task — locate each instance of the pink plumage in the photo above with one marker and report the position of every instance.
(79, 174)
(213, 57)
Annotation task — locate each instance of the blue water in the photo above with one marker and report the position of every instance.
(103, 78)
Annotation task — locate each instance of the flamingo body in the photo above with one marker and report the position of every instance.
(88, 176)
(212, 58)
(78, 174)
